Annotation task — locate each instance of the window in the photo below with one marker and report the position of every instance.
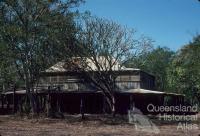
(134, 78)
(61, 79)
(127, 85)
(125, 78)
(71, 86)
(128, 78)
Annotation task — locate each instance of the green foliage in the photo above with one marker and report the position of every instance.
(156, 62)
(175, 72)
(34, 35)
(184, 73)
(8, 74)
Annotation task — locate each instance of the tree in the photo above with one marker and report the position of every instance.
(104, 46)
(35, 34)
(156, 62)
(8, 74)
(184, 73)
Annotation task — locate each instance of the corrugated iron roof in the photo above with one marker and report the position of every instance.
(132, 91)
(75, 63)
(145, 91)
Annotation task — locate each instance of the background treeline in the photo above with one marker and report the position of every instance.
(177, 72)
(36, 34)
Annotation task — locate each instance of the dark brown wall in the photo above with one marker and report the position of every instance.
(147, 81)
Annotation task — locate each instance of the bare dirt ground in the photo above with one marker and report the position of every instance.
(97, 125)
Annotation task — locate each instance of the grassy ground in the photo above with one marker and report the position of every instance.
(94, 125)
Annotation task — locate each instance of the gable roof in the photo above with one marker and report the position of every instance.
(77, 62)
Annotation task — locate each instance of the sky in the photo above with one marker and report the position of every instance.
(170, 23)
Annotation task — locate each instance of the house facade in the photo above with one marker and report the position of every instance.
(133, 87)
(69, 91)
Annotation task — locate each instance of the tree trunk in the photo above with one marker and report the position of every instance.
(82, 108)
(48, 104)
(14, 99)
(32, 99)
(2, 101)
(113, 107)
(59, 100)
(32, 102)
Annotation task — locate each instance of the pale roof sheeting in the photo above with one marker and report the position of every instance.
(58, 67)
(64, 66)
(145, 91)
(17, 92)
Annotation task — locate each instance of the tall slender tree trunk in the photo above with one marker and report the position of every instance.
(48, 103)
(14, 99)
(113, 106)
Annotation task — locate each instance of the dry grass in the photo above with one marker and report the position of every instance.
(72, 125)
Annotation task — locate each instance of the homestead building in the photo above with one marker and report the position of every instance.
(68, 91)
